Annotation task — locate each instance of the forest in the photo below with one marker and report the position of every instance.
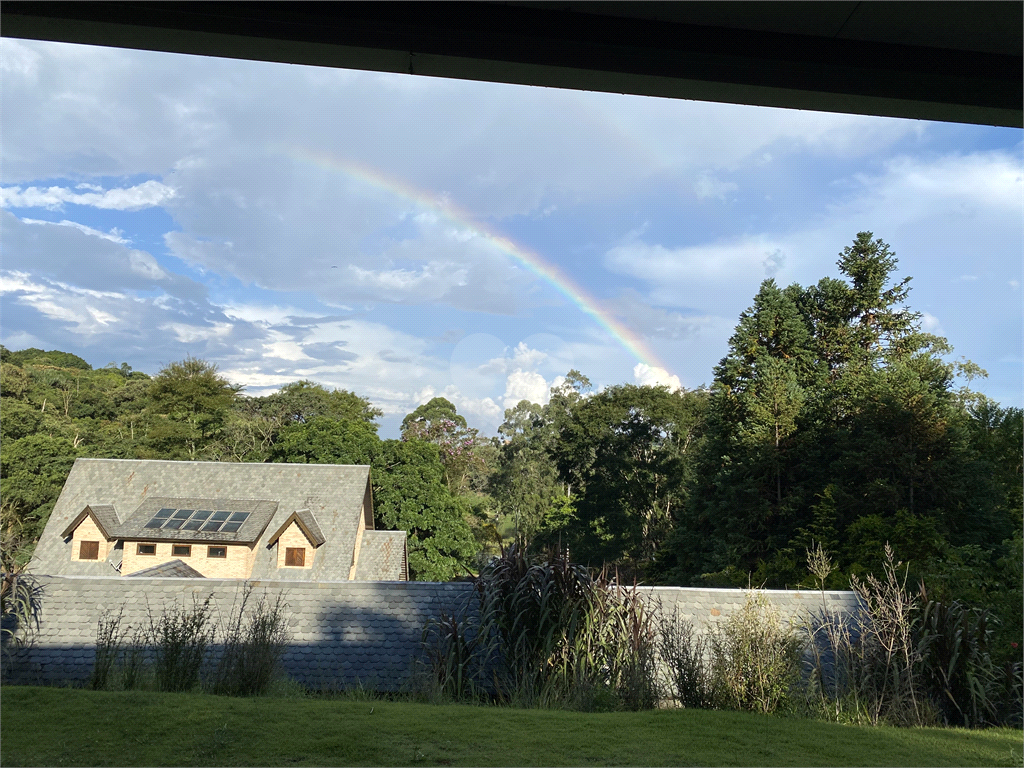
(832, 420)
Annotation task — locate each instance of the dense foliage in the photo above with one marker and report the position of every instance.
(833, 420)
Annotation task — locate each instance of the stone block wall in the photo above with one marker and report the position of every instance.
(341, 633)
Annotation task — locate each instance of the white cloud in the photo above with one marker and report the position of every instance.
(114, 235)
(930, 324)
(100, 263)
(18, 58)
(526, 385)
(188, 333)
(145, 195)
(708, 186)
(141, 263)
(78, 310)
(651, 376)
(710, 277)
(432, 281)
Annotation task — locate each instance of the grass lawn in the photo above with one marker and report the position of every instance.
(55, 726)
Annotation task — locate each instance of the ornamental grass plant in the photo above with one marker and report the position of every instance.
(252, 645)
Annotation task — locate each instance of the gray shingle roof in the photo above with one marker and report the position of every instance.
(175, 568)
(306, 522)
(261, 511)
(334, 495)
(382, 557)
(105, 516)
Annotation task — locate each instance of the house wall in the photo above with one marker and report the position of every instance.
(87, 530)
(359, 542)
(340, 632)
(294, 537)
(237, 565)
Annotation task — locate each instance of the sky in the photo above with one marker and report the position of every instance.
(406, 237)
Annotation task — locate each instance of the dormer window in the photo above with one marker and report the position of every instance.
(89, 550)
(295, 557)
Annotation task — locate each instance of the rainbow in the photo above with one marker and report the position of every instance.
(529, 259)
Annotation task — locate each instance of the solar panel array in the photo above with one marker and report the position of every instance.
(205, 520)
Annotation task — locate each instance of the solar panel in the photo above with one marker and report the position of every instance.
(206, 520)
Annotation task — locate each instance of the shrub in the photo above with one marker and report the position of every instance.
(958, 673)
(109, 638)
(544, 632)
(867, 667)
(133, 656)
(180, 638)
(253, 645)
(684, 655)
(754, 658)
(458, 656)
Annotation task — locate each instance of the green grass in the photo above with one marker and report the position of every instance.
(54, 726)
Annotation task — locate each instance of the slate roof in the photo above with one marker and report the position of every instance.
(105, 516)
(261, 511)
(382, 557)
(306, 522)
(333, 494)
(178, 569)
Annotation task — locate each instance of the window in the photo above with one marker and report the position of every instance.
(295, 556)
(170, 519)
(147, 549)
(181, 550)
(217, 552)
(89, 550)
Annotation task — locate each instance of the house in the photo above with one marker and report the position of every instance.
(280, 522)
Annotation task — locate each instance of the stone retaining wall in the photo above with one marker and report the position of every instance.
(341, 633)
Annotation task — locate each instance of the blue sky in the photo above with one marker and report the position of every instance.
(293, 222)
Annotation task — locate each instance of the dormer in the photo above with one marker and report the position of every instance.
(297, 540)
(92, 533)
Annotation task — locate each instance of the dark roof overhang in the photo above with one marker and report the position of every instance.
(957, 61)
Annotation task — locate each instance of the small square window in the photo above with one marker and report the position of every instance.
(181, 550)
(217, 552)
(147, 549)
(89, 550)
(295, 556)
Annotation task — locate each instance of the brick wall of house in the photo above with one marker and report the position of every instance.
(237, 564)
(87, 530)
(294, 537)
(339, 632)
(359, 542)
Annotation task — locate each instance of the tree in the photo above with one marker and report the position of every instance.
(192, 394)
(833, 416)
(410, 494)
(303, 400)
(323, 440)
(438, 422)
(32, 472)
(626, 450)
(525, 484)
